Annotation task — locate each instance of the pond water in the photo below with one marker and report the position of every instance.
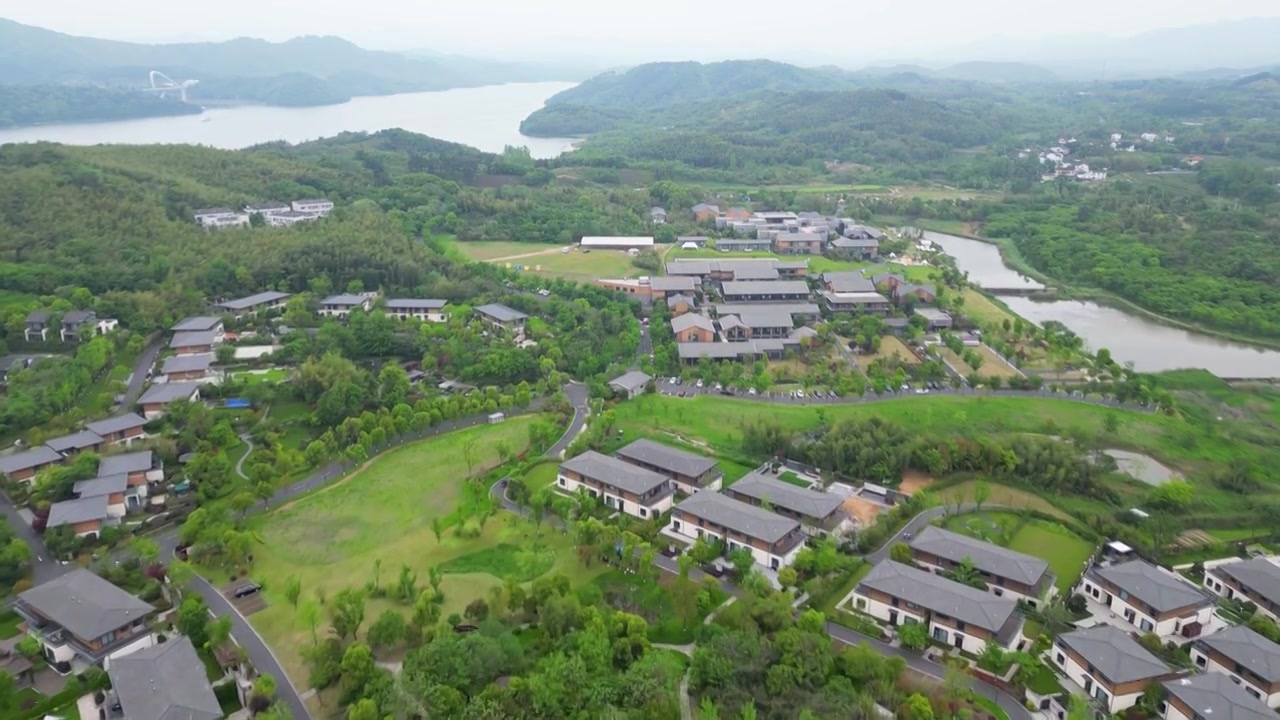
(1143, 467)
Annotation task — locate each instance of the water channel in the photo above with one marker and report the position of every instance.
(1150, 346)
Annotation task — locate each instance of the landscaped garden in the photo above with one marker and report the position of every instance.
(364, 529)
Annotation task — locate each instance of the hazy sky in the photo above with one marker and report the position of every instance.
(845, 31)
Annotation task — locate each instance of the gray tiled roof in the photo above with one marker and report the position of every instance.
(103, 485)
(251, 301)
(200, 323)
(193, 339)
(861, 298)
(35, 457)
(348, 299)
(669, 284)
(757, 272)
(738, 516)
(766, 318)
(187, 363)
(795, 308)
(164, 682)
(765, 287)
(1215, 696)
(729, 322)
(75, 317)
(803, 501)
(168, 392)
(673, 300)
(116, 423)
(985, 556)
(940, 595)
(72, 512)
(75, 441)
(1244, 646)
(1161, 590)
(500, 313)
(848, 282)
(614, 472)
(691, 320)
(633, 380)
(1259, 575)
(671, 459)
(415, 304)
(1116, 656)
(716, 350)
(846, 242)
(125, 463)
(85, 604)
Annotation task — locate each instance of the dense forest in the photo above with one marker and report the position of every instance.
(38, 104)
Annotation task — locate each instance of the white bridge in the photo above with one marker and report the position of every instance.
(163, 84)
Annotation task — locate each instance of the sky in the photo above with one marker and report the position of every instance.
(845, 32)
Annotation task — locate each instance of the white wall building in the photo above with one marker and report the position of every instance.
(1108, 664)
(1150, 599)
(774, 540)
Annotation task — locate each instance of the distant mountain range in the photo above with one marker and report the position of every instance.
(301, 71)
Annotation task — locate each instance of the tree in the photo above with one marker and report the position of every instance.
(914, 635)
(309, 613)
(358, 668)
(347, 612)
(437, 527)
(1111, 423)
(743, 562)
(477, 610)
(218, 631)
(981, 493)
(293, 590)
(363, 709)
(900, 552)
(425, 610)
(264, 686)
(407, 585)
(387, 630)
(193, 620)
(241, 502)
(916, 707)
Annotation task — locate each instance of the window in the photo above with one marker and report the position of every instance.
(1201, 660)
(561, 482)
(644, 513)
(675, 524)
(959, 625)
(1060, 659)
(861, 604)
(1253, 692)
(1146, 625)
(939, 634)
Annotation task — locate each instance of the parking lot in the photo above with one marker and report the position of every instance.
(248, 604)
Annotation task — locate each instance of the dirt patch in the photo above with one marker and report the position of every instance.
(914, 481)
(864, 511)
(1191, 539)
(246, 605)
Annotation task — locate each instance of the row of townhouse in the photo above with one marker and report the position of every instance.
(423, 309)
(275, 214)
(844, 292)
(96, 436)
(82, 621)
(769, 517)
(70, 327)
(785, 232)
(122, 484)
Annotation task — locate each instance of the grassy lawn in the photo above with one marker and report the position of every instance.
(330, 539)
(1007, 497)
(273, 376)
(573, 265)
(890, 347)
(983, 310)
(792, 479)
(1224, 534)
(491, 250)
(541, 476)
(992, 365)
(9, 625)
(1065, 551)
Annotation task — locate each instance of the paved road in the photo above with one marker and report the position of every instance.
(140, 369)
(248, 450)
(690, 389)
(579, 396)
(43, 566)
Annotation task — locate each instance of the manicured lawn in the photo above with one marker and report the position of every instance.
(9, 625)
(993, 527)
(792, 479)
(983, 310)
(1065, 551)
(1225, 534)
(541, 476)
(273, 376)
(332, 538)
(490, 250)
(890, 347)
(1006, 496)
(577, 265)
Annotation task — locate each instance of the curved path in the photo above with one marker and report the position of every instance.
(248, 450)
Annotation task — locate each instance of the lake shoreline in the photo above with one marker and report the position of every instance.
(1013, 259)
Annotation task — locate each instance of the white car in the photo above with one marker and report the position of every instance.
(699, 383)
(751, 391)
(800, 394)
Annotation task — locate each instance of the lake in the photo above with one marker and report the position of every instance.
(487, 118)
(1150, 346)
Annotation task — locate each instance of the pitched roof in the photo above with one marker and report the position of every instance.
(116, 423)
(164, 682)
(729, 322)
(214, 211)
(633, 380)
(39, 316)
(668, 284)
(739, 516)
(941, 595)
(75, 441)
(756, 272)
(720, 350)
(35, 457)
(848, 282)
(101, 486)
(349, 299)
(415, 304)
(985, 556)
(765, 318)
(1114, 654)
(673, 460)
(1159, 589)
(245, 303)
(1244, 646)
(75, 317)
(72, 512)
(187, 363)
(193, 339)
(125, 463)
(848, 242)
(501, 313)
(794, 308)
(85, 604)
(615, 472)
(1259, 575)
(691, 320)
(673, 300)
(765, 287)
(1216, 696)
(199, 323)
(803, 501)
(169, 392)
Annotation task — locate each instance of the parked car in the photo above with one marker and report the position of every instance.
(699, 382)
(247, 589)
(751, 391)
(800, 394)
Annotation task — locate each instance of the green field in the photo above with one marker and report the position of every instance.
(332, 538)
(573, 265)
(540, 476)
(273, 376)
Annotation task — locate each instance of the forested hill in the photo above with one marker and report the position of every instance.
(767, 128)
(668, 83)
(301, 71)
